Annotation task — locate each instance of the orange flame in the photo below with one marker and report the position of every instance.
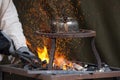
(60, 60)
(43, 54)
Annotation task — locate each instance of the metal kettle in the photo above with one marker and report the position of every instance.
(65, 25)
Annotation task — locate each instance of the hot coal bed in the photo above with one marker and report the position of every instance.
(80, 70)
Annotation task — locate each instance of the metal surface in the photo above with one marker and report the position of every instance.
(83, 33)
(64, 24)
(47, 76)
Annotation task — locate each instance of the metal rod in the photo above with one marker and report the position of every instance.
(52, 53)
(99, 62)
(56, 72)
(82, 34)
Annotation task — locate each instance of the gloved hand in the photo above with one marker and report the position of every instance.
(24, 54)
(28, 58)
(25, 50)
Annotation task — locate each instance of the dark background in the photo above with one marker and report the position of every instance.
(104, 17)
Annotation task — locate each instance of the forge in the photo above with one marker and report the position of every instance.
(80, 70)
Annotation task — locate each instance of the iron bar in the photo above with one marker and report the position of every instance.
(96, 54)
(56, 72)
(52, 53)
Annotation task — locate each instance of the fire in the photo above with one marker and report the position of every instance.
(59, 60)
(43, 54)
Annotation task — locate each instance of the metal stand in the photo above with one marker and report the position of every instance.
(82, 34)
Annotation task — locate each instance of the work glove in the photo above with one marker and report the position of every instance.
(25, 54)
(28, 58)
(25, 50)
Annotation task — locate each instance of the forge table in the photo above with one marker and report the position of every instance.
(58, 75)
